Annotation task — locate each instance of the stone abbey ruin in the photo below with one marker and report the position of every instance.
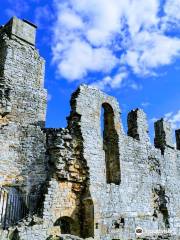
(77, 182)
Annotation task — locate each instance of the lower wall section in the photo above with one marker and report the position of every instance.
(37, 232)
(22, 157)
(62, 206)
(40, 232)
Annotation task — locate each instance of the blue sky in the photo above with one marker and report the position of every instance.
(128, 48)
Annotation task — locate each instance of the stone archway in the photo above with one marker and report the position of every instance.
(67, 225)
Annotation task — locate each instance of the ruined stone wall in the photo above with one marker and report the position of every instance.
(22, 109)
(95, 181)
(147, 195)
(68, 177)
(80, 192)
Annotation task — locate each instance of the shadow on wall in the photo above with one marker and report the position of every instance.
(110, 145)
(87, 216)
(14, 235)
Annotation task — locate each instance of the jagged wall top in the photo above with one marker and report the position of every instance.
(87, 101)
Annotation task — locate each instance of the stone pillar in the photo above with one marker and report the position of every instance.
(178, 139)
(23, 97)
(163, 134)
(138, 126)
(22, 109)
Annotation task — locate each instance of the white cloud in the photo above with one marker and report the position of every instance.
(153, 120)
(174, 119)
(81, 57)
(151, 50)
(104, 36)
(168, 115)
(43, 15)
(17, 8)
(135, 86)
(172, 10)
(71, 20)
(113, 82)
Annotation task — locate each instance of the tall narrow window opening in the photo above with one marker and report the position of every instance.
(110, 145)
(88, 218)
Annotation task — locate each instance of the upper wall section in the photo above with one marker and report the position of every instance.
(88, 104)
(22, 98)
(22, 29)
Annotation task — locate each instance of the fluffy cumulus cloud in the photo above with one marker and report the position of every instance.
(114, 38)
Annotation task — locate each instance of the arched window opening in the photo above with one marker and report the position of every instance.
(88, 218)
(67, 225)
(110, 145)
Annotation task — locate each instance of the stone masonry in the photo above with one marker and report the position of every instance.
(89, 180)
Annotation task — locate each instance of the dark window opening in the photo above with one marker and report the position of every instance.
(116, 224)
(88, 218)
(97, 226)
(65, 224)
(110, 145)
